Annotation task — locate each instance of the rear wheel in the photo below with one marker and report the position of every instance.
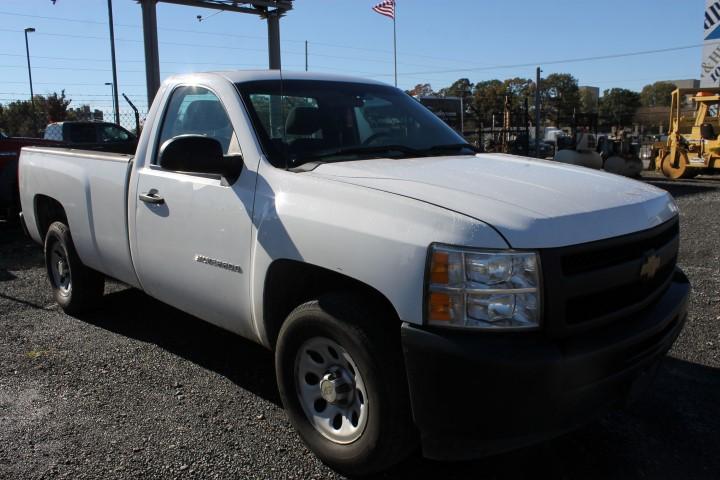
(76, 287)
(342, 381)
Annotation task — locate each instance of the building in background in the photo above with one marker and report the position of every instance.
(688, 83)
(590, 97)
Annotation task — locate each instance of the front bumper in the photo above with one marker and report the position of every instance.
(476, 394)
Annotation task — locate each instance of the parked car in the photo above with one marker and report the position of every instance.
(413, 291)
(101, 136)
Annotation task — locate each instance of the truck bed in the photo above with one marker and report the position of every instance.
(92, 186)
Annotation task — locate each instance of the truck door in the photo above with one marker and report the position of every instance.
(193, 230)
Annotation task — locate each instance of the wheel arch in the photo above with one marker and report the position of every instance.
(47, 210)
(308, 282)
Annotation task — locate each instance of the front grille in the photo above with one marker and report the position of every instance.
(598, 304)
(600, 282)
(597, 258)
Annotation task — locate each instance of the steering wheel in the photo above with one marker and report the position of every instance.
(374, 137)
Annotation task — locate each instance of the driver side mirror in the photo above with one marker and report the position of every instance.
(201, 155)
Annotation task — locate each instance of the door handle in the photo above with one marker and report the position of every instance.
(151, 197)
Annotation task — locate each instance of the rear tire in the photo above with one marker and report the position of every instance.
(76, 287)
(363, 441)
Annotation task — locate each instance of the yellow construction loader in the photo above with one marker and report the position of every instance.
(692, 146)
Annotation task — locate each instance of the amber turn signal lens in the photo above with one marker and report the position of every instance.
(439, 307)
(439, 268)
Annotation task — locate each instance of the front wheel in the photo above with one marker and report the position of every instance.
(342, 381)
(76, 287)
(677, 168)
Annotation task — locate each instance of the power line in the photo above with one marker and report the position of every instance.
(555, 62)
(185, 62)
(225, 35)
(226, 47)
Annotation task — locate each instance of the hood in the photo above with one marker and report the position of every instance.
(532, 203)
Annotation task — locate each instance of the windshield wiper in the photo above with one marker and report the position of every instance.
(362, 150)
(450, 147)
(387, 149)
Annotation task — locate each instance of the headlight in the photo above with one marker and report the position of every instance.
(483, 289)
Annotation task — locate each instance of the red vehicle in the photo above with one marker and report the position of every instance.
(9, 154)
(99, 136)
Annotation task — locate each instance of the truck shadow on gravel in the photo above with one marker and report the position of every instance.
(133, 314)
(670, 433)
(17, 252)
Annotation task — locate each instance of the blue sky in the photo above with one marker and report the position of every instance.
(437, 41)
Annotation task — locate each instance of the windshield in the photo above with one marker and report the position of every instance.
(328, 121)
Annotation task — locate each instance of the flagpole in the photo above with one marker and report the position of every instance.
(395, 42)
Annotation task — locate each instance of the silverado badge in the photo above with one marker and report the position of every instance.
(650, 267)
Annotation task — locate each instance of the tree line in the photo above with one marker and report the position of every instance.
(560, 98)
(23, 118)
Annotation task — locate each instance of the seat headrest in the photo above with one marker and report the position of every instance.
(204, 115)
(303, 121)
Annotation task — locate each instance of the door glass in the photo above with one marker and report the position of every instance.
(198, 111)
(82, 133)
(111, 133)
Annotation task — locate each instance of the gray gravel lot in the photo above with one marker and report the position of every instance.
(138, 389)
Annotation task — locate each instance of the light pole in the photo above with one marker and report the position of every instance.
(116, 106)
(27, 51)
(33, 115)
(112, 90)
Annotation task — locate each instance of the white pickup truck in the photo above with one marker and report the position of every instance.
(415, 293)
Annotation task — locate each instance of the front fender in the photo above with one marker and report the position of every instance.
(375, 237)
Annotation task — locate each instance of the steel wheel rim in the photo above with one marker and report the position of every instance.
(60, 270)
(317, 362)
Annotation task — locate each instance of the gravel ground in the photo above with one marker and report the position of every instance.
(140, 390)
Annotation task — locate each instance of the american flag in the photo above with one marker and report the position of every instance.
(386, 8)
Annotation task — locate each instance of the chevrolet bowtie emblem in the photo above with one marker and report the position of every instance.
(650, 267)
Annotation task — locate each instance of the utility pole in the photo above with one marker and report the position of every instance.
(537, 113)
(114, 66)
(306, 55)
(152, 55)
(273, 23)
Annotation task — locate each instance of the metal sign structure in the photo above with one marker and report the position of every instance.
(270, 10)
(710, 67)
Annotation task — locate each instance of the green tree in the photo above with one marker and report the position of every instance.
(657, 94)
(560, 96)
(462, 88)
(588, 102)
(23, 118)
(54, 106)
(19, 119)
(517, 89)
(488, 99)
(618, 106)
(421, 90)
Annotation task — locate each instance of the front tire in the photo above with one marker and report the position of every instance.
(76, 287)
(341, 377)
(678, 169)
